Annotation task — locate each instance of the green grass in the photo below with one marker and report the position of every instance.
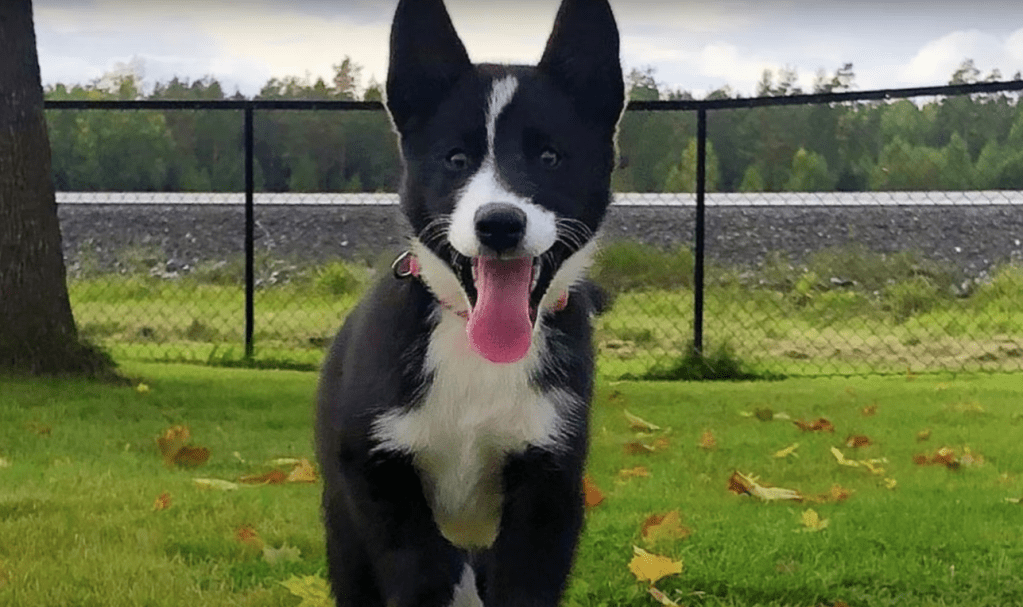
(81, 471)
(892, 313)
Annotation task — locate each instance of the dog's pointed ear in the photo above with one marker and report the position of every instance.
(582, 57)
(427, 58)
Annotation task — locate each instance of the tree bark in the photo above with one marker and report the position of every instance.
(37, 329)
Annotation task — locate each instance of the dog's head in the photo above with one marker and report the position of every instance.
(507, 168)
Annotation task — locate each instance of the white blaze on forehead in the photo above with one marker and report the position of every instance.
(501, 94)
(486, 186)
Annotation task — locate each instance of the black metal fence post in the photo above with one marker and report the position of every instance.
(250, 228)
(698, 229)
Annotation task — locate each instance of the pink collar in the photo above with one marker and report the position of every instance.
(407, 264)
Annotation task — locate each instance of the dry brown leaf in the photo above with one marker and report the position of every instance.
(594, 496)
(163, 502)
(858, 440)
(171, 441)
(667, 526)
(651, 567)
(638, 471)
(820, 424)
(638, 423)
(837, 493)
(869, 410)
(273, 477)
(303, 472)
(247, 535)
(191, 457)
(740, 483)
(707, 440)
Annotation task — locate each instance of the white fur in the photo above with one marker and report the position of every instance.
(486, 186)
(465, 591)
(474, 414)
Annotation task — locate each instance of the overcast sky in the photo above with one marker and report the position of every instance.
(695, 46)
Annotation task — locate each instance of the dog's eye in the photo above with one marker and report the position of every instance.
(457, 160)
(550, 157)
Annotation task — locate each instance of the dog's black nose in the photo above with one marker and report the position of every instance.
(500, 226)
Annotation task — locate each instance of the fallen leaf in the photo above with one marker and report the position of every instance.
(638, 448)
(872, 465)
(1014, 500)
(4, 463)
(284, 461)
(890, 483)
(787, 451)
(668, 526)
(247, 535)
(869, 410)
(191, 457)
(142, 388)
(842, 460)
(818, 425)
(594, 496)
(215, 483)
(837, 493)
(163, 502)
(638, 471)
(314, 591)
(273, 477)
(284, 554)
(303, 472)
(651, 567)
(707, 440)
(764, 414)
(638, 423)
(740, 483)
(812, 522)
(661, 598)
(172, 445)
(946, 456)
(858, 440)
(923, 435)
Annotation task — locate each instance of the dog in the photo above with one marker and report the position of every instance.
(453, 404)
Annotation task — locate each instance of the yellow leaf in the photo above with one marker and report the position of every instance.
(633, 472)
(313, 590)
(842, 459)
(638, 423)
(163, 501)
(5, 463)
(667, 526)
(651, 567)
(707, 440)
(303, 472)
(142, 388)
(787, 451)
(812, 521)
(740, 483)
(215, 483)
(890, 483)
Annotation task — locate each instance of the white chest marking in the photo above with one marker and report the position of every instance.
(474, 414)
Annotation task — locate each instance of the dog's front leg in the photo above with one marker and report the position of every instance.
(384, 548)
(529, 563)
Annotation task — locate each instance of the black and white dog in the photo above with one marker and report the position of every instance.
(453, 406)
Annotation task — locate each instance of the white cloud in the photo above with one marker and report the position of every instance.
(936, 61)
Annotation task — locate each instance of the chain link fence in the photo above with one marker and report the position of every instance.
(872, 271)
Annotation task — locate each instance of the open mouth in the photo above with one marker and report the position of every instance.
(504, 295)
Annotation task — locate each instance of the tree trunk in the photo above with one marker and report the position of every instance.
(37, 329)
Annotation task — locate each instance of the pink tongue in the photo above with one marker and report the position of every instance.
(499, 326)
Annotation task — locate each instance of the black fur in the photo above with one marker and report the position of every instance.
(383, 545)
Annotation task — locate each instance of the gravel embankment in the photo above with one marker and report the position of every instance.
(176, 237)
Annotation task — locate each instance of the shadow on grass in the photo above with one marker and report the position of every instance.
(720, 365)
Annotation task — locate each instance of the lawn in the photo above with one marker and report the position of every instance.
(81, 523)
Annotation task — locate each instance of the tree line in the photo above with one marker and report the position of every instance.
(966, 142)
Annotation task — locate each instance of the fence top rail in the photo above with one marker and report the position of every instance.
(678, 105)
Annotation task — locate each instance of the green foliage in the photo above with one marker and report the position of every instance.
(958, 142)
(809, 173)
(627, 265)
(682, 176)
(339, 279)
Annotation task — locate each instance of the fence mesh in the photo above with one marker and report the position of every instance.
(880, 267)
